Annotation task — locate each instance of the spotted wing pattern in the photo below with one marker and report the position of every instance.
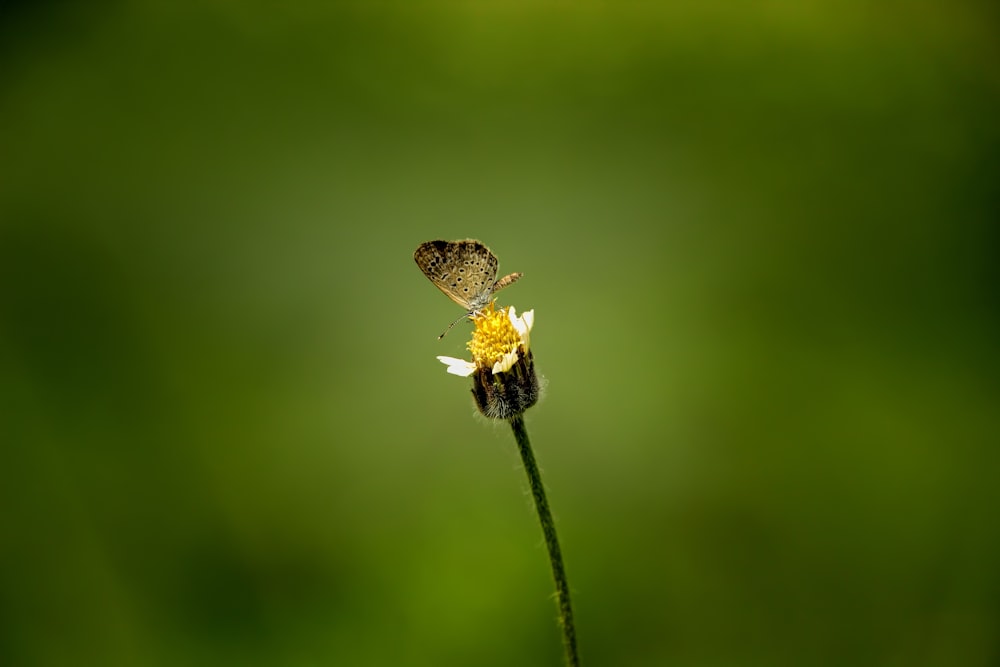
(465, 271)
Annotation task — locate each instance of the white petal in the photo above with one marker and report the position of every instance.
(459, 367)
(522, 324)
(506, 363)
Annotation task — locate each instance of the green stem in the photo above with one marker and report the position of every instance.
(551, 541)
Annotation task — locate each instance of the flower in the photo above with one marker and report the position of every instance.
(502, 366)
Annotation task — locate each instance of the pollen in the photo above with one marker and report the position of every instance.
(494, 338)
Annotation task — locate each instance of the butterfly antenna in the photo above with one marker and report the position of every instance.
(453, 324)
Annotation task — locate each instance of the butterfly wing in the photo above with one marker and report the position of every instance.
(464, 270)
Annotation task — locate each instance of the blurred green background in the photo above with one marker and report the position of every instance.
(761, 244)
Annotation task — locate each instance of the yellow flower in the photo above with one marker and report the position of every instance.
(504, 382)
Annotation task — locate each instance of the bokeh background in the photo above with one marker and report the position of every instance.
(761, 243)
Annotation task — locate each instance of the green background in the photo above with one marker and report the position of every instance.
(761, 244)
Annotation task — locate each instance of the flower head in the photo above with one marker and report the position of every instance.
(502, 366)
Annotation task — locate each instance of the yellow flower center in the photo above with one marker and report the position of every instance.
(493, 338)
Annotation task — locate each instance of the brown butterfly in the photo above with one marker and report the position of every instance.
(465, 271)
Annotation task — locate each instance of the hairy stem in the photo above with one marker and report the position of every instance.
(551, 540)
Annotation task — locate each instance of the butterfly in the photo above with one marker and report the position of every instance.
(466, 271)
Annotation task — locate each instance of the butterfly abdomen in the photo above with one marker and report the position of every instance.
(506, 281)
